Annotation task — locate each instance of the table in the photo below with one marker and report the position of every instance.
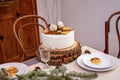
(73, 66)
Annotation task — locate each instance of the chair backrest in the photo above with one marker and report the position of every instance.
(18, 28)
(107, 30)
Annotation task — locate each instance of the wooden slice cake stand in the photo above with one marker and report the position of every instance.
(60, 56)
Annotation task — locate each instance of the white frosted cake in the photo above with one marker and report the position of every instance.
(58, 41)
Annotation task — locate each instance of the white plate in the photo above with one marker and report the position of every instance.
(106, 61)
(22, 68)
(80, 63)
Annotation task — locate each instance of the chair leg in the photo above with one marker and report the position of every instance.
(118, 55)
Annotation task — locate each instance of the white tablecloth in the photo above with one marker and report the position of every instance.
(73, 66)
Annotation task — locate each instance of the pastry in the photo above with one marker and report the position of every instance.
(95, 60)
(87, 51)
(66, 28)
(12, 71)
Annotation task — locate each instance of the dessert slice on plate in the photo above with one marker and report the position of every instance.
(96, 60)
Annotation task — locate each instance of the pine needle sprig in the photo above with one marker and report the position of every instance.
(60, 73)
(82, 75)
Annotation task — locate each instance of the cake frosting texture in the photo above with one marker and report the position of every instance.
(58, 41)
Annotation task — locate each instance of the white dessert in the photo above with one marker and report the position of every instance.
(58, 41)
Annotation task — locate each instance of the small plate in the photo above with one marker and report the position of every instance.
(105, 61)
(81, 64)
(22, 68)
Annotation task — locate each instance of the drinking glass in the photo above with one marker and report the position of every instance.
(44, 55)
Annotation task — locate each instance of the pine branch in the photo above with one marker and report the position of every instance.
(55, 74)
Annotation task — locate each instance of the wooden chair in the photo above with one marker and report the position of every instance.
(19, 28)
(107, 30)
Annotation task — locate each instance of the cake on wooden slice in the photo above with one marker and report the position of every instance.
(60, 39)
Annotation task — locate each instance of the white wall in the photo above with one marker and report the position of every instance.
(50, 10)
(87, 17)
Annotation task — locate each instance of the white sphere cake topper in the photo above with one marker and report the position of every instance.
(53, 27)
(60, 24)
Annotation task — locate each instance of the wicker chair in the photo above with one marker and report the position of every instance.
(107, 30)
(18, 28)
